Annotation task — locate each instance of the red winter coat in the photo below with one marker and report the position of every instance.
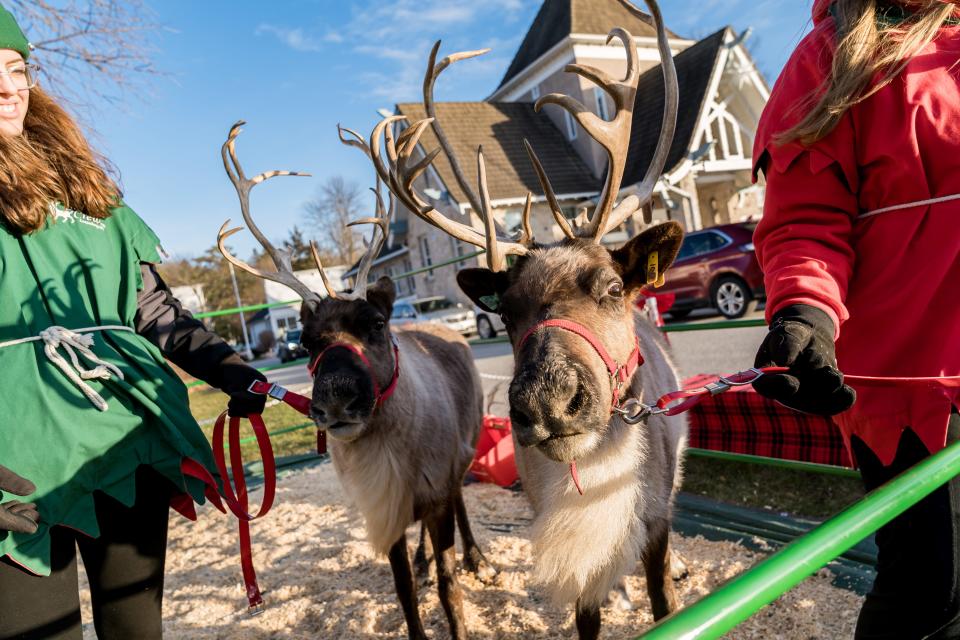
(891, 282)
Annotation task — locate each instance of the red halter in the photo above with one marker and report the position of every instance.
(619, 374)
(380, 397)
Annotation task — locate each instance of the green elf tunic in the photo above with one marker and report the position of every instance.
(79, 272)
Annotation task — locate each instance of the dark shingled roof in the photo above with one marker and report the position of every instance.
(694, 68)
(384, 252)
(559, 18)
(501, 127)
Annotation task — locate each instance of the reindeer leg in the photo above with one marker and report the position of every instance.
(441, 526)
(473, 560)
(656, 562)
(406, 589)
(588, 622)
(421, 561)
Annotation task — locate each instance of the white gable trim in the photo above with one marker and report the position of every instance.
(566, 51)
(716, 74)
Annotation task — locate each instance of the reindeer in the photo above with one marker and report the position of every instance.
(577, 344)
(401, 442)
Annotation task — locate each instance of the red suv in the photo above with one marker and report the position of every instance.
(716, 267)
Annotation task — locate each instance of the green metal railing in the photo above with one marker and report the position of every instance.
(792, 465)
(741, 597)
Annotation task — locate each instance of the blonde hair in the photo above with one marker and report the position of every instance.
(50, 162)
(868, 45)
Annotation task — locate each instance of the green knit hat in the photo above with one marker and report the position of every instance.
(11, 37)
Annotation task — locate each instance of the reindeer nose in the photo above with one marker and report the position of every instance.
(545, 402)
(336, 398)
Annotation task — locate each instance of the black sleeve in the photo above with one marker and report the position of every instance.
(183, 340)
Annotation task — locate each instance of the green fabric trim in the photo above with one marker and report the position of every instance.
(11, 37)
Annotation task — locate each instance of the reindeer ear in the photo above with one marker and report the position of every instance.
(646, 258)
(307, 310)
(484, 287)
(382, 295)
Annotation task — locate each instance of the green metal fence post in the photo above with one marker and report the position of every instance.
(738, 599)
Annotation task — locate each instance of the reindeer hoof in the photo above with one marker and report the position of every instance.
(618, 599)
(678, 568)
(475, 563)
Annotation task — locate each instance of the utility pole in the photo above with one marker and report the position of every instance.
(243, 322)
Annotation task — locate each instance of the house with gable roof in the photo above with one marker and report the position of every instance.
(705, 182)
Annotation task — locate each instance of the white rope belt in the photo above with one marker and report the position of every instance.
(909, 205)
(73, 342)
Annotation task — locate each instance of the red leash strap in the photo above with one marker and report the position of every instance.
(291, 399)
(237, 500)
(689, 398)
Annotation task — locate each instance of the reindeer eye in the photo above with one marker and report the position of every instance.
(615, 289)
(379, 325)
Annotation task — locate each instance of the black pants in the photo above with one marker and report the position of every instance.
(124, 567)
(916, 593)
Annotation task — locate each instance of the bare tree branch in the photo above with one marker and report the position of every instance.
(93, 49)
(337, 204)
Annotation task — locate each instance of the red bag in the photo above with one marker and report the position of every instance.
(494, 461)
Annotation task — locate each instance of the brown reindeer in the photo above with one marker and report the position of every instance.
(577, 344)
(402, 409)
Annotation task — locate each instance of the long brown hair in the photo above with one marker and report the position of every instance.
(868, 46)
(50, 162)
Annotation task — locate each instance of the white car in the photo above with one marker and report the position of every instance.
(435, 309)
(488, 324)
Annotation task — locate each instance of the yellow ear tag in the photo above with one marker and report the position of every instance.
(653, 269)
(660, 281)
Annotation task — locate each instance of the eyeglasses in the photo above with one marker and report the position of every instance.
(23, 76)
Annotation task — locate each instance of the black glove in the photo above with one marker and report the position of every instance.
(15, 515)
(234, 378)
(801, 337)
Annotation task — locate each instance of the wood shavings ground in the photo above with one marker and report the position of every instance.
(322, 580)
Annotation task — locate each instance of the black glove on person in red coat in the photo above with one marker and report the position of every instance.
(801, 338)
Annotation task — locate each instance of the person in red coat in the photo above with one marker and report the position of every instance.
(860, 248)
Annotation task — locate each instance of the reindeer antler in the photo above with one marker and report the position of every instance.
(381, 220)
(399, 171)
(614, 135)
(281, 258)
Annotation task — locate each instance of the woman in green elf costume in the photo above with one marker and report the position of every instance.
(95, 428)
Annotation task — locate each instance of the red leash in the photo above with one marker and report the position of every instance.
(235, 492)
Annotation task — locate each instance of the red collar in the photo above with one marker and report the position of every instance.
(620, 375)
(380, 396)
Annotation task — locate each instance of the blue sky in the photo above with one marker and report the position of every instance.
(294, 69)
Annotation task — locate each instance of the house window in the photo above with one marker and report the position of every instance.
(602, 110)
(409, 283)
(457, 249)
(425, 259)
(571, 125)
(535, 93)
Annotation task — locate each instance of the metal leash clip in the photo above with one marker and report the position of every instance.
(634, 412)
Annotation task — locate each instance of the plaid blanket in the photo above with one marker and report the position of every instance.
(743, 421)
